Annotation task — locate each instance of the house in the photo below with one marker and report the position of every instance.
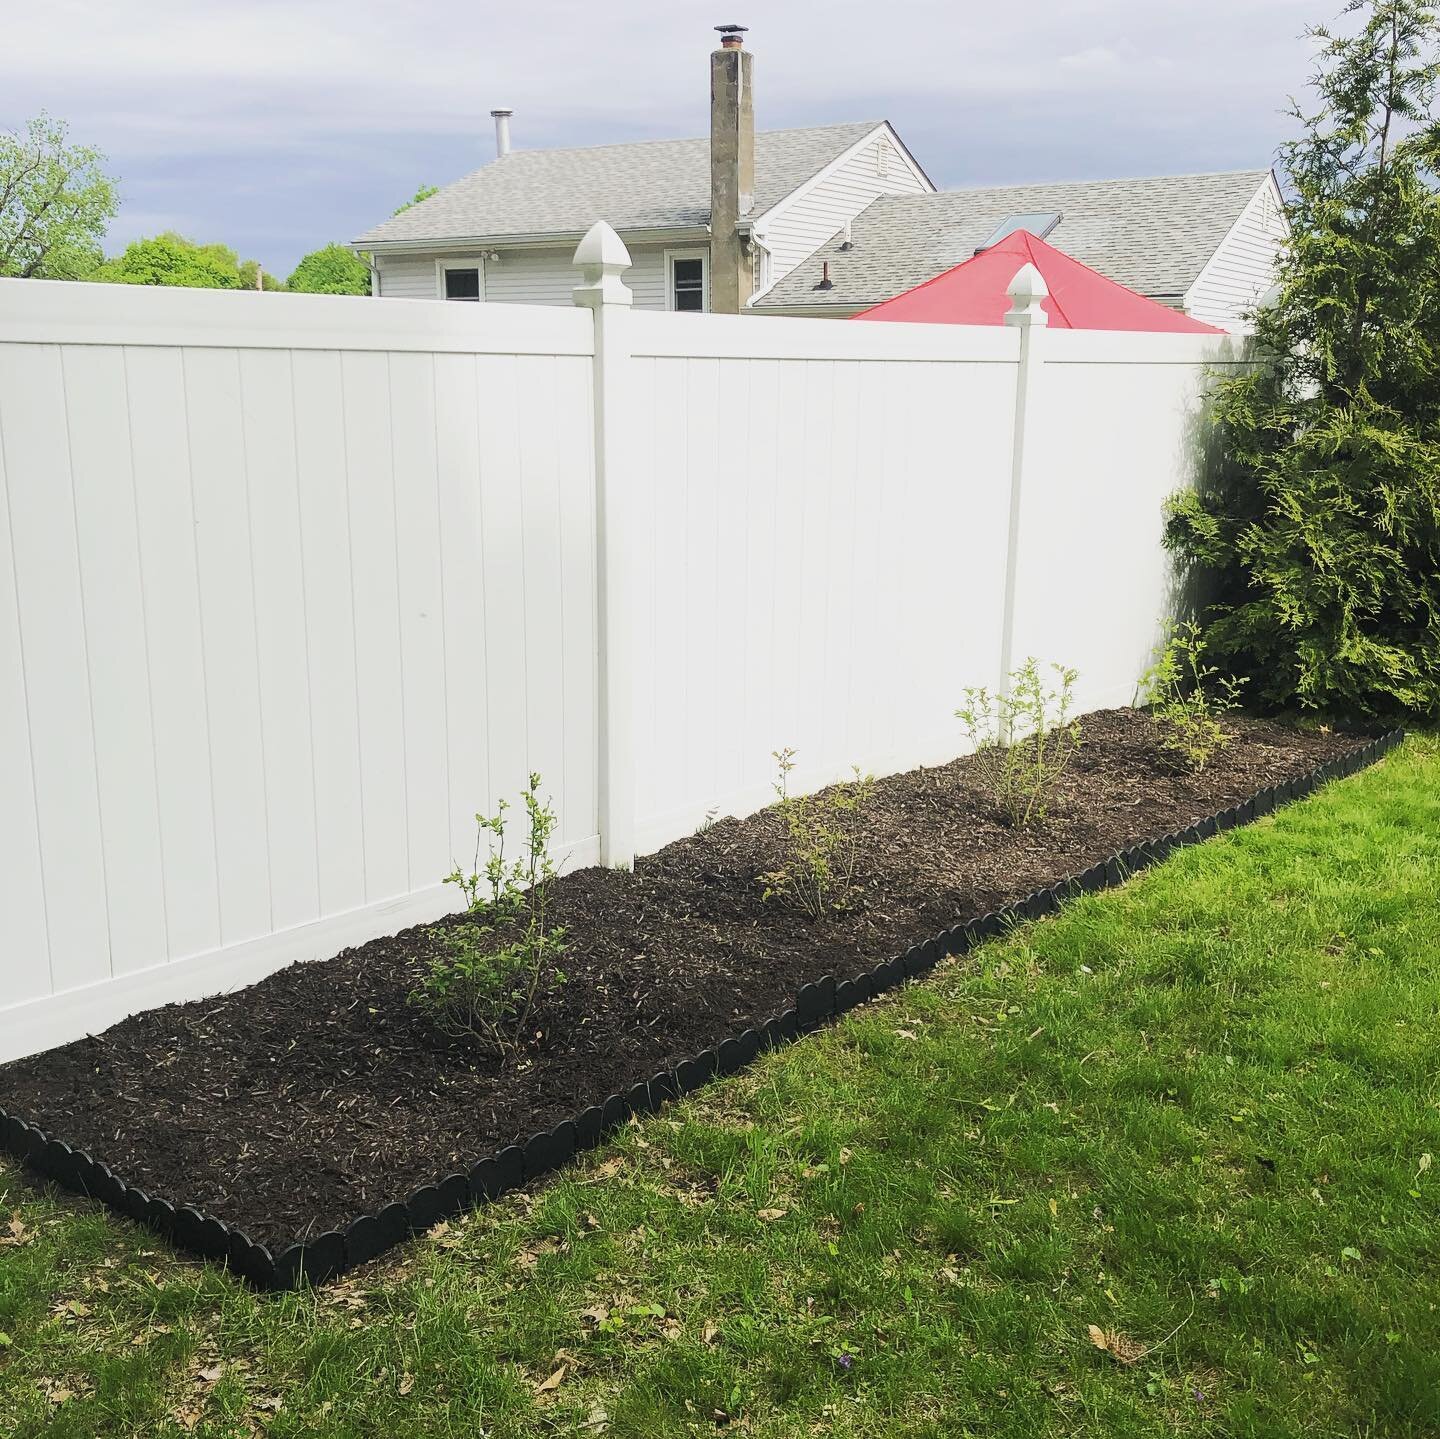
(825, 221)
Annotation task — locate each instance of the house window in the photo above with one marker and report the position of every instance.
(687, 274)
(462, 278)
(462, 284)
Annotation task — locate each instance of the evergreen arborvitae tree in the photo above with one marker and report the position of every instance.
(1318, 547)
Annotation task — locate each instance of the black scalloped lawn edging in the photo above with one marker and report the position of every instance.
(327, 1255)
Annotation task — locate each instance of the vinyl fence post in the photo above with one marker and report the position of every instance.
(601, 258)
(1026, 313)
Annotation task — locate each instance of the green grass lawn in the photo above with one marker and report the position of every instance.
(1197, 1114)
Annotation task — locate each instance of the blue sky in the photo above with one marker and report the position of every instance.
(275, 127)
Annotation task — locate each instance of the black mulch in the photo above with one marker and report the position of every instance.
(319, 1094)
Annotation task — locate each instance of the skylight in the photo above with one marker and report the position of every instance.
(1038, 222)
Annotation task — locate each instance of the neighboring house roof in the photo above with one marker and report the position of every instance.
(1151, 235)
(648, 185)
(1079, 298)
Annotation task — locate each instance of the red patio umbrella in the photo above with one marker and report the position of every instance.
(974, 293)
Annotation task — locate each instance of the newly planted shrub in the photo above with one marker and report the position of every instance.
(1186, 698)
(476, 985)
(1024, 739)
(822, 840)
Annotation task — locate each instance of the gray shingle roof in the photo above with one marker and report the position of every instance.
(652, 184)
(1153, 235)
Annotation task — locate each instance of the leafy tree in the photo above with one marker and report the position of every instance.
(55, 202)
(251, 270)
(331, 270)
(1319, 545)
(422, 192)
(171, 259)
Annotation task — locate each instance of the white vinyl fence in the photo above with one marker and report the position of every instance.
(290, 586)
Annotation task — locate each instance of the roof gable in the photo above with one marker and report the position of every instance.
(652, 184)
(1152, 235)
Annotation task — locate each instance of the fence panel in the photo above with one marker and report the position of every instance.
(1124, 428)
(241, 724)
(824, 557)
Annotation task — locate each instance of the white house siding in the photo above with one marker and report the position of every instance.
(1243, 268)
(406, 277)
(803, 225)
(524, 277)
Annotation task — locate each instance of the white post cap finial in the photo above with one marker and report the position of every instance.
(1026, 291)
(602, 258)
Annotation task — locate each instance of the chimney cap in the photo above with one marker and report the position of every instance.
(732, 37)
(496, 114)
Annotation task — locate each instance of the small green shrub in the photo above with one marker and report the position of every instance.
(479, 988)
(822, 842)
(1186, 698)
(1024, 739)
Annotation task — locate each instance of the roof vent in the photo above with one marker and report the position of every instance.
(1038, 222)
(502, 132)
(826, 283)
(732, 37)
(847, 240)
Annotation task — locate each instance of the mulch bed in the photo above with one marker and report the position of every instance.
(293, 1106)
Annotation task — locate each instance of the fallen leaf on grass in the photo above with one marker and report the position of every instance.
(71, 1308)
(771, 1213)
(407, 1383)
(597, 1420)
(18, 1233)
(709, 1334)
(531, 1254)
(596, 1313)
(552, 1382)
(1120, 1347)
(210, 1373)
(344, 1296)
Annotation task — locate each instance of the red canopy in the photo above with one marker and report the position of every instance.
(974, 293)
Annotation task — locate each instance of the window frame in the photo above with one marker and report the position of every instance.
(458, 262)
(689, 253)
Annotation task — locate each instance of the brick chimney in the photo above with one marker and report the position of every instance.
(732, 171)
